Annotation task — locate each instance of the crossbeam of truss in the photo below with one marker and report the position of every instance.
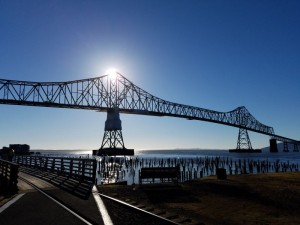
(103, 93)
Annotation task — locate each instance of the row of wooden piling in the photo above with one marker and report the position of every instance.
(111, 169)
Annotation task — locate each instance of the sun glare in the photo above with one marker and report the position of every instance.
(112, 73)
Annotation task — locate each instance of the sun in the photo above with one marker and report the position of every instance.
(112, 73)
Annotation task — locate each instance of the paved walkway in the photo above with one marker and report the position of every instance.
(32, 207)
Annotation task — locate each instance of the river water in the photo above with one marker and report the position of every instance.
(193, 163)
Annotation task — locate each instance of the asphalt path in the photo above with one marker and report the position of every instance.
(35, 208)
(32, 207)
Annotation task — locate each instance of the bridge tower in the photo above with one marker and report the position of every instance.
(285, 147)
(112, 142)
(244, 143)
(296, 147)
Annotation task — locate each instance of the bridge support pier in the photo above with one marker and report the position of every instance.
(296, 147)
(244, 144)
(112, 143)
(285, 147)
(273, 145)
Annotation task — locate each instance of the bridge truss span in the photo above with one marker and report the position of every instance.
(132, 99)
(106, 93)
(82, 94)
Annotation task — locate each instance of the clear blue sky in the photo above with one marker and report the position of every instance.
(211, 54)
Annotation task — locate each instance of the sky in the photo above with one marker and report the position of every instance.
(211, 54)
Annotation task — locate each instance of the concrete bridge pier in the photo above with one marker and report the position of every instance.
(296, 149)
(273, 145)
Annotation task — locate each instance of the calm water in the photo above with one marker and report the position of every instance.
(265, 155)
(291, 156)
(193, 163)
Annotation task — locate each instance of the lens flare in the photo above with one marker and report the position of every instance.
(112, 73)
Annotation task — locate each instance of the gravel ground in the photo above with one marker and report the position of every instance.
(141, 198)
(125, 216)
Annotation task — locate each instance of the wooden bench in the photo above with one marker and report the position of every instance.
(164, 174)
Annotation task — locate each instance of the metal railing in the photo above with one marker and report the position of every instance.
(8, 177)
(77, 168)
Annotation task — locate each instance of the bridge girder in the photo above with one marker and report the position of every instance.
(104, 94)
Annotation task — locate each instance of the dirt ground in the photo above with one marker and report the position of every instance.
(243, 199)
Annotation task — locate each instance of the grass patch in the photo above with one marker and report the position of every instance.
(242, 199)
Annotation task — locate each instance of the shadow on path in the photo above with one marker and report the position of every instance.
(81, 189)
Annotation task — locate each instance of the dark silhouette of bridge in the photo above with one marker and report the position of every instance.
(119, 95)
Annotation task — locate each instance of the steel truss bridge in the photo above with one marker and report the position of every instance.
(118, 95)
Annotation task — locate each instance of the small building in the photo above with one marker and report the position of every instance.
(20, 148)
(4, 150)
(6, 153)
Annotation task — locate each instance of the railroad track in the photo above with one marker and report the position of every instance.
(125, 213)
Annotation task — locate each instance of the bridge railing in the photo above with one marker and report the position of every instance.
(8, 177)
(77, 168)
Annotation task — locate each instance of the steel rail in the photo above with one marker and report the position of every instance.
(138, 209)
